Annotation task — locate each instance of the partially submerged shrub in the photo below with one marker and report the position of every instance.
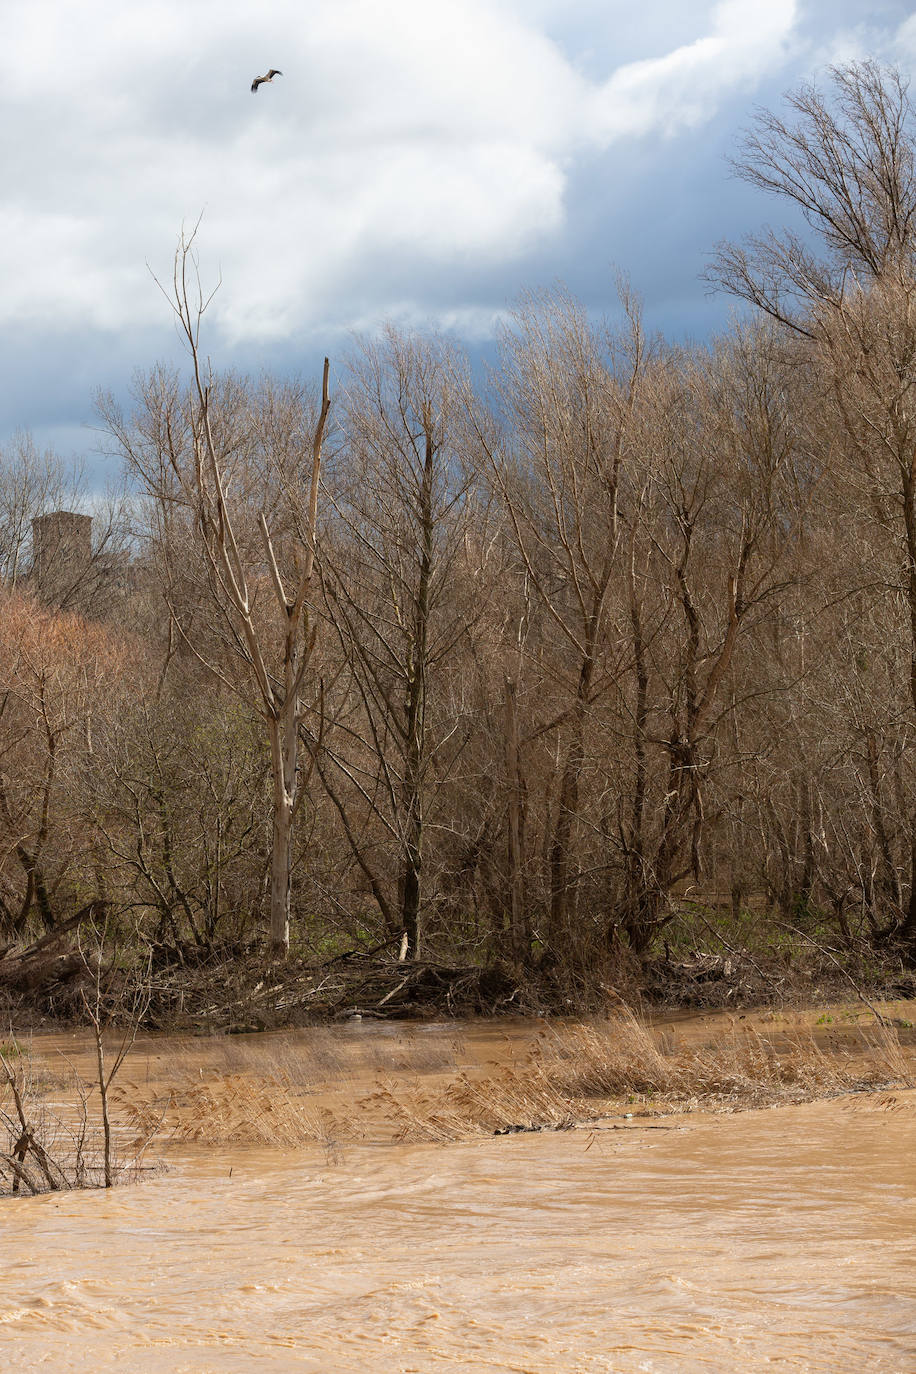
(55, 1150)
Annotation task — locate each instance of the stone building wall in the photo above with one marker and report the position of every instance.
(62, 557)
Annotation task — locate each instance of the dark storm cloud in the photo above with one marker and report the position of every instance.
(552, 142)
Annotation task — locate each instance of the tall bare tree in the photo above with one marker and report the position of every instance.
(401, 592)
(847, 161)
(561, 471)
(251, 489)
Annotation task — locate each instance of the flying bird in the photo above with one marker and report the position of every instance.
(259, 80)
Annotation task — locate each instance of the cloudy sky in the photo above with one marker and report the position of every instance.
(422, 160)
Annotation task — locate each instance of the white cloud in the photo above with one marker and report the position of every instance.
(905, 39)
(683, 88)
(403, 134)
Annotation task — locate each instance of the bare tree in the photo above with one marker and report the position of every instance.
(712, 556)
(561, 472)
(848, 163)
(254, 516)
(57, 673)
(31, 483)
(401, 590)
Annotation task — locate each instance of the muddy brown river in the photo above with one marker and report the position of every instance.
(776, 1239)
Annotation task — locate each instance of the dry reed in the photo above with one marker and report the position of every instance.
(580, 1073)
(284, 1094)
(234, 1110)
(621, 1058)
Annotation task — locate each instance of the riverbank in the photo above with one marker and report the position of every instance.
(237, 991)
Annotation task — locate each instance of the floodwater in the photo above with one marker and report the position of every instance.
(777, 1239)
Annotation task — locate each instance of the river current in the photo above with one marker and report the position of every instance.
(776, 1239)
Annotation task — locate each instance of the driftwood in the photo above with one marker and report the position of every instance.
(245, 995)
(52, 964)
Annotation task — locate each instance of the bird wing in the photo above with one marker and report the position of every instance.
(274, 72)
(256, 83)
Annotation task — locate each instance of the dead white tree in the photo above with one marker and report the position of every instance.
(277, 654)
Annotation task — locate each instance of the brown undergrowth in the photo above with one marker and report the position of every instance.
(622, 1059)
(569, 1075)
(238, 1111)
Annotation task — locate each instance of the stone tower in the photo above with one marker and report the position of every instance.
(61, 555)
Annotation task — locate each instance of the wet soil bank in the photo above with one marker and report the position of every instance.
(240, 991)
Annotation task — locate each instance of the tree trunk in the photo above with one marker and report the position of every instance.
(416, 743)
(284, 756)
(562, 882)
(518, 924)
(412, 859)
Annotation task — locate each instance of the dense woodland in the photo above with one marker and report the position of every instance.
(536, 666)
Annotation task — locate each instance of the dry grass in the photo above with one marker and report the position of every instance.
(622, 1059)
(235, 1110)
(507, 1097)
(334, 1090)
(281, 1090)
(582, 1073)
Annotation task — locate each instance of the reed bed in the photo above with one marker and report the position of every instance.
(505, 1098)
(569, 1075)
(236, 1110)
(268, 1091)
(621, 1059)
(583, 1073)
